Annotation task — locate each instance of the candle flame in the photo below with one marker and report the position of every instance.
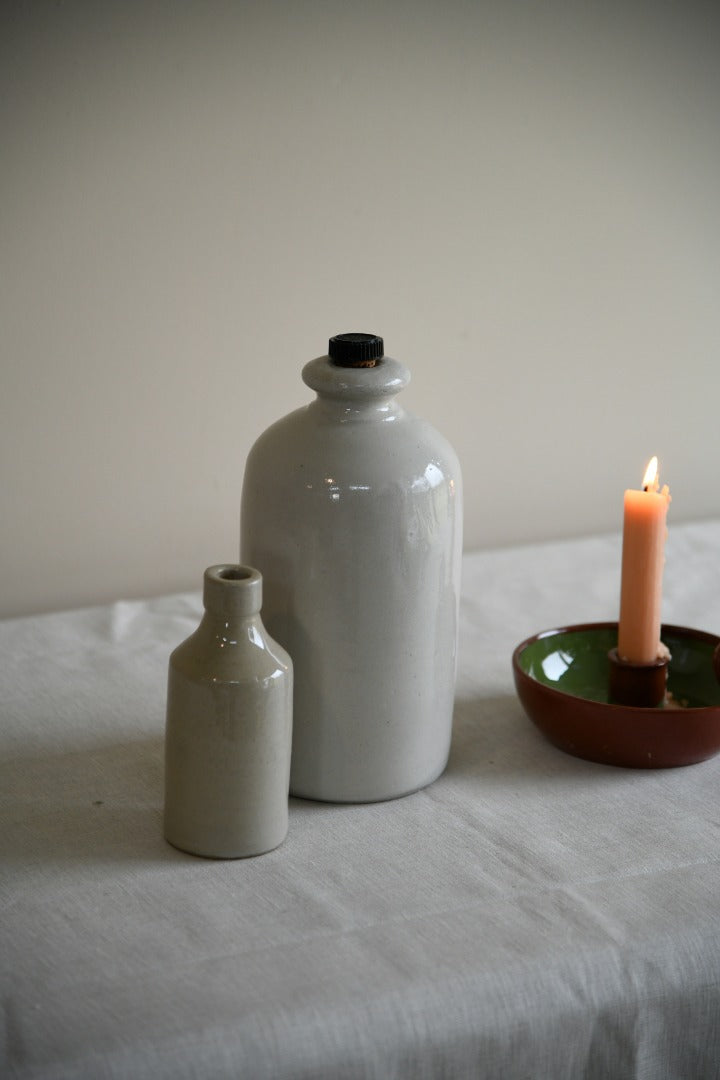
(650, 480)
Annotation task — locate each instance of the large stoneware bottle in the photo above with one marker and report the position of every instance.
(352, 511)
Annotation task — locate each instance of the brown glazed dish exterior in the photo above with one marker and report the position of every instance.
(624, 735)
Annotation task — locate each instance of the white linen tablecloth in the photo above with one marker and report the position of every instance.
(528, 915)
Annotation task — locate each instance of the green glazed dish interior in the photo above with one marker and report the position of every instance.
(576, 662)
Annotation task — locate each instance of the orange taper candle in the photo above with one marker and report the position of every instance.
(643, 557)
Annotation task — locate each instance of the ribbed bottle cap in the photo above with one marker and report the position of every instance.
(356, 350)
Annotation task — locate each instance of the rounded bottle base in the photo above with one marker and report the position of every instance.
(203, 851)
(360, 799)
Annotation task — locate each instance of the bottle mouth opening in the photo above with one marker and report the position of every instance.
(235, 573)
(232, 590)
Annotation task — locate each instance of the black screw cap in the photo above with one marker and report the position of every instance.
(356, 350)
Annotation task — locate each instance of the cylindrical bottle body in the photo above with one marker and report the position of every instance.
(354, 515)
(228, 739)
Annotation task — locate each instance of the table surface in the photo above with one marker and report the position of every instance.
(528, 915)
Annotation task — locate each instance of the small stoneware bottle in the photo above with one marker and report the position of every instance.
(352, 510)
(229, 726)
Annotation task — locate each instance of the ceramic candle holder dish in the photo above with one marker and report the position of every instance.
(561, 677)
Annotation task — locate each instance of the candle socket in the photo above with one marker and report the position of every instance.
(641, 685)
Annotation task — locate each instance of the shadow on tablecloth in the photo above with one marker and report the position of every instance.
(493, 740)
(97, 804)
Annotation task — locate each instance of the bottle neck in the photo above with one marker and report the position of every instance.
(360, 393)
(349, 411)
(232, 593)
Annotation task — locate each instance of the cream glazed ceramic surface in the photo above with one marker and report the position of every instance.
(229, 726)
(352, 509)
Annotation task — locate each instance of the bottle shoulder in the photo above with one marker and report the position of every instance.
(230, 653)
(308, 443)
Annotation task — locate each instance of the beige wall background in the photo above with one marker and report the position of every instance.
(524, 199)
